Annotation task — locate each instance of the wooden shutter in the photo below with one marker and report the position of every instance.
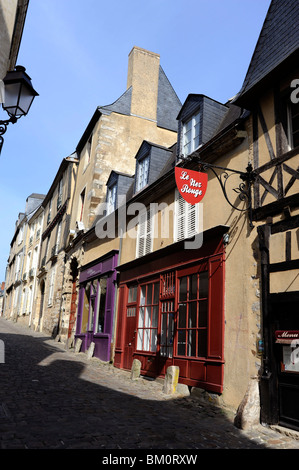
(186, 218)
(145, 231)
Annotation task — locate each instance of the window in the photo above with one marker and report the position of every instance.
(191, 134)
(100, 316)
(81, 205)
(186, 218)
(94, 304)
(142, 173)
(51, 287)
(145, 234)
(59, 197)
(88, 150)
(148, 317)
(293, 125)
(290, 121)
(111, 198)
(193, 315)
(49, 211)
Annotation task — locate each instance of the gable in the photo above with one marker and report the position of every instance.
(277, 43)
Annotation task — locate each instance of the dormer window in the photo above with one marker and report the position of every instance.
(111, 198)
(191, 134)
(142, 173)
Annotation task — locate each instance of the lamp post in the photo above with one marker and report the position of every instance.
(19, 95)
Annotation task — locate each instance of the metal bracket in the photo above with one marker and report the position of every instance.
(244, 188)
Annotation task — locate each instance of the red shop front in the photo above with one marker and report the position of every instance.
(171, 312)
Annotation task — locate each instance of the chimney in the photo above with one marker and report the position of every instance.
(143, 77)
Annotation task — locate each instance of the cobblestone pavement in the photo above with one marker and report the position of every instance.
(51, 398)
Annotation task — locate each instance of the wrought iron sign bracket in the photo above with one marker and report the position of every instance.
(244, 188)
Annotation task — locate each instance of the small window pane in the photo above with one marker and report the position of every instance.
(191, 349)
(132, 294)
(192, 314)
(202, 343)
(203, 285)
(203, 313)
(182, 315)
(183, 288)
(181, 343)
(193, 287)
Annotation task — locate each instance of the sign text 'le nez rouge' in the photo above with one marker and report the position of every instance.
(191, 184)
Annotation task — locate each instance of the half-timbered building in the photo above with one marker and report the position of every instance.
(271, 92)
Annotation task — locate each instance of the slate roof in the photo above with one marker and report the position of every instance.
(278, 41)
(167, 108)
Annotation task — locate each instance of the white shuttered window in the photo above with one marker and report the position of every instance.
(186, 218)
(145, 233)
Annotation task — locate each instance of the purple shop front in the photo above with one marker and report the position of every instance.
(95, 319)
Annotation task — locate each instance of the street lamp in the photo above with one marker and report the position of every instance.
(19, 95)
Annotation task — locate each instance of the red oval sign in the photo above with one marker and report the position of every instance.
(191, 184)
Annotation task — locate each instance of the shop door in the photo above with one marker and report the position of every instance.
(167, 315)
(131, 327)
(129, 345)
(286, 337)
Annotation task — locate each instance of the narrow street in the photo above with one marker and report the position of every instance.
(54, 399)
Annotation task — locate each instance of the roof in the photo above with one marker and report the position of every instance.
(277, 42)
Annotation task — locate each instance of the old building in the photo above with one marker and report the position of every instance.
(12, 18)
(271, 92)
(20, 272)
(57, 206)
(146, 110)
(216, 294)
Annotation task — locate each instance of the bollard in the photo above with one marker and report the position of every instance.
(90, 350)
(171, 380)
(78, 345)
(135, 371)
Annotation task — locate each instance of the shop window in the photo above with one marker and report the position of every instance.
(102, 290)
(167, 285)
(148, 317)
(193, 315)
(93, 314)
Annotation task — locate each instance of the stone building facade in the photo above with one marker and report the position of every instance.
(147, 109)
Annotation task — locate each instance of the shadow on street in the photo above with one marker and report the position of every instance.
(50, 399)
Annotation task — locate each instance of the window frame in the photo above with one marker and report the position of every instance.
(111, 198)
(190, 126)
(142, 173)
(198, 300)
(148, 325)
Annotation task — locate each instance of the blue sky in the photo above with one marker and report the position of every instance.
(77, 56)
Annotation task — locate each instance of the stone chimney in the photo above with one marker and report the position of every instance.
(143, 77)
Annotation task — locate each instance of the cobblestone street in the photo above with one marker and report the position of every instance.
(54, 399)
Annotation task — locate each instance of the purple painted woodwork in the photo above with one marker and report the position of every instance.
(104, 266)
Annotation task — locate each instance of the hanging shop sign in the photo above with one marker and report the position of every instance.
(192, 185)
(286, 336)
